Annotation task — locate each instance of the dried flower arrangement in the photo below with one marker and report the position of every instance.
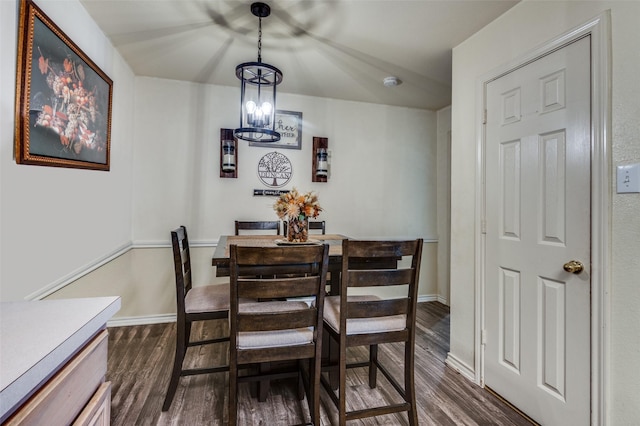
(297, 208)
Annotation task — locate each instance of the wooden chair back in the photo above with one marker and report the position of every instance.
(383, 258)
(181, 266)
(268, 273)
(262, 225)
(371, 320)
(283, 290)
(200, 303)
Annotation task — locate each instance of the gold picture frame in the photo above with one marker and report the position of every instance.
(63, 99)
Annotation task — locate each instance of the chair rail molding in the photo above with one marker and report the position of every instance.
(79, 273)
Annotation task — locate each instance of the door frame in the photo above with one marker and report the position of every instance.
(599, 30)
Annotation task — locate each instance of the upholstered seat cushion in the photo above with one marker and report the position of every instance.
(208, 298)
(361, 325)
(266, 339)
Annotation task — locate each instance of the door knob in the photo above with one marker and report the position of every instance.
(573, 266)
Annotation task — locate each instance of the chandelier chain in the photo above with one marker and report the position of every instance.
(259, 39)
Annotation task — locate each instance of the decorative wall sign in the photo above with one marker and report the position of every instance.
(63, 111)
(289, 125)
(275, 169)
(319, 159)
(228, 154)
(270, 192)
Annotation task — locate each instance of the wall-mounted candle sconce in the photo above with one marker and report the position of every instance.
(228, 154)
(320, 160)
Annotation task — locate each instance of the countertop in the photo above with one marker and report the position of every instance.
(38, 337)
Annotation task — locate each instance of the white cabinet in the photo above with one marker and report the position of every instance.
(65, 395)
(53, 362)
(98, 411)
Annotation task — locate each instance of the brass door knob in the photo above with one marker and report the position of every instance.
(573, 266)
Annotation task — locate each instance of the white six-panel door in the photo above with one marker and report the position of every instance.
(537, 212)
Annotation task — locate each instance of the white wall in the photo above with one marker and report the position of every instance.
(520, 30)
(56, 221)
(443, 173)
(382, 184)
(382, 181)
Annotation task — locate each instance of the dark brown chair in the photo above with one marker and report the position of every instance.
(193, 304)
(277, 325)
(370, 320)
(257, 226)
(313, 225)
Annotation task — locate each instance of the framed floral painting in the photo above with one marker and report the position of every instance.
(63, 100)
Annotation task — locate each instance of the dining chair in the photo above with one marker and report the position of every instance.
(200, 303)
(259, 225)
(313, 225)
(367, 319)
(283, 322)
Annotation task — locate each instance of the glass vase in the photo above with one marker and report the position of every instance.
(298, 230)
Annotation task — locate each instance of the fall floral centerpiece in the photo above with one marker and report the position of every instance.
(297, 208)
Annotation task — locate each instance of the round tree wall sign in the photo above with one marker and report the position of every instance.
(275, 169)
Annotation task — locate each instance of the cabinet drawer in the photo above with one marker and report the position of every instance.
(98, 410)
(64, 396)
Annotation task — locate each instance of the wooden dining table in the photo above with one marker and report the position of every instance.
(220, 257)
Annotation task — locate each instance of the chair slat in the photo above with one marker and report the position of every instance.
(383, 277)
(383, 249)
(377, 308)
(277, 320)
(274, 256)
(286, 287)
(257, 225)
(252, 356)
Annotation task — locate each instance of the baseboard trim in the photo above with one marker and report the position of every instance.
(428, 298)
(141, 320)
(461, 367)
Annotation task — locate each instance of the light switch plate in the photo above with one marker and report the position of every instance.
(628, 178)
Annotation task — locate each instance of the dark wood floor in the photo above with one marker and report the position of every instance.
(140, 360)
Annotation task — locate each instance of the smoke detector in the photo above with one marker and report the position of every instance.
(390, 81)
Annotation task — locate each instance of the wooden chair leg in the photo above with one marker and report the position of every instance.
(263, 385)
(342, 387)
(373, 365)
(181, 349)
(300, 382)
(315, 370)
(409, 382)
(233, 393)
(334, 356)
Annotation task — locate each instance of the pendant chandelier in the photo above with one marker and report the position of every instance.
(258, 92)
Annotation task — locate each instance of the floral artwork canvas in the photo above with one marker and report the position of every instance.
(64, 112)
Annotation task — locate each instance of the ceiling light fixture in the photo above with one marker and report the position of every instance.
(390, 81)
(258, 92)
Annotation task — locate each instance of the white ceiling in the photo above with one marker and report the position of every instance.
(338, 49)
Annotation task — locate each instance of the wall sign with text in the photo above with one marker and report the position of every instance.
(289, 125)
(275, 169)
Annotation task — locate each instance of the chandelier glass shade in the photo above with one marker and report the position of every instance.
(258, 82)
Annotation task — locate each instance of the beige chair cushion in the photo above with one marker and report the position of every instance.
(208, 298)
(361, 325)
(277, 338)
